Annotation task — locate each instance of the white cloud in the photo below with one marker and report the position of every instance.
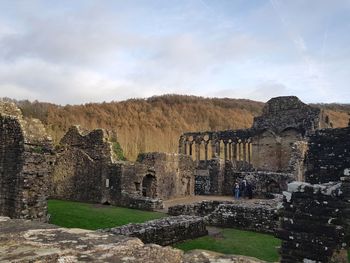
(113, 51)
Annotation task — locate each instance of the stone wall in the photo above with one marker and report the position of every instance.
(138, 202)
(314, 222)
(166, 231)
(264, 184)
(87, 170)
(83, 165)
(276, 142)
(209, 176)
(328, 155)
(260, 216)
(297, 160)
(285, 112)
(171, 174)
(25, 165)
(203, 208)
(272, 151)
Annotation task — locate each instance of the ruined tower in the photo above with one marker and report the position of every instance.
(25, 163)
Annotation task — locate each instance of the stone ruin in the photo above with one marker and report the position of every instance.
(83, 165)
(87, 170)
(291, 141)
(315, 222)
(25, 241)
(165, 231)
(26, 159)
(275, 145)
(259, 216)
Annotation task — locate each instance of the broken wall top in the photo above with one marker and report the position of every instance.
(287, 112)
(33, 130)
(96, 142)
(77, 136)
(151, 158)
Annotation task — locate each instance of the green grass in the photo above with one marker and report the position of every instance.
(91, 216)
(232, 241)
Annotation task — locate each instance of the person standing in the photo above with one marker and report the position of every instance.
(236, 188)
(243, 188)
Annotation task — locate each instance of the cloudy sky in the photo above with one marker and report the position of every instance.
(92, 51)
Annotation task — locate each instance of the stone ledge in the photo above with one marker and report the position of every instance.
(165, 231)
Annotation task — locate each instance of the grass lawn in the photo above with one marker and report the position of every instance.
(92, 216)
(233, 241)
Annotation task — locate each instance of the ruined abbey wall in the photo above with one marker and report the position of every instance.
(173, 174)
(25, 165)
(276, 143)
(272, 152)
(328, 155)
(265, 183)
(82, 167)
(87, 170)
(314, 222)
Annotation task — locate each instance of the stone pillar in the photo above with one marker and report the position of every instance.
(234, 152)
(198, 145)
(217, 143)
(230, 151)
(244, 143)
(225, 150)
(190, 149)
(206, 151)
(213, 148)
(249, 152)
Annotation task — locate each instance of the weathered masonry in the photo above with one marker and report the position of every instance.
(165, 231)
(83, 166)
(25, 162)
(277, 142)
(314, 222)
(259, 216)
(49, 243)
(87, 170)
(328, 155)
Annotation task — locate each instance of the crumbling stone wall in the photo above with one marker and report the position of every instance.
(25, 165)
(203, 208)
(165, 231)
(209, 176)
(264, 184)
(297, 160)
(276, 142)
(314, 222)
(328, 155)
(259, 216)
(87, 170)
(83, 166)
(271, 151)
(285, 112)
(173, 174)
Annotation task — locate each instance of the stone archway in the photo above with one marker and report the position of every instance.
(149, 186)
